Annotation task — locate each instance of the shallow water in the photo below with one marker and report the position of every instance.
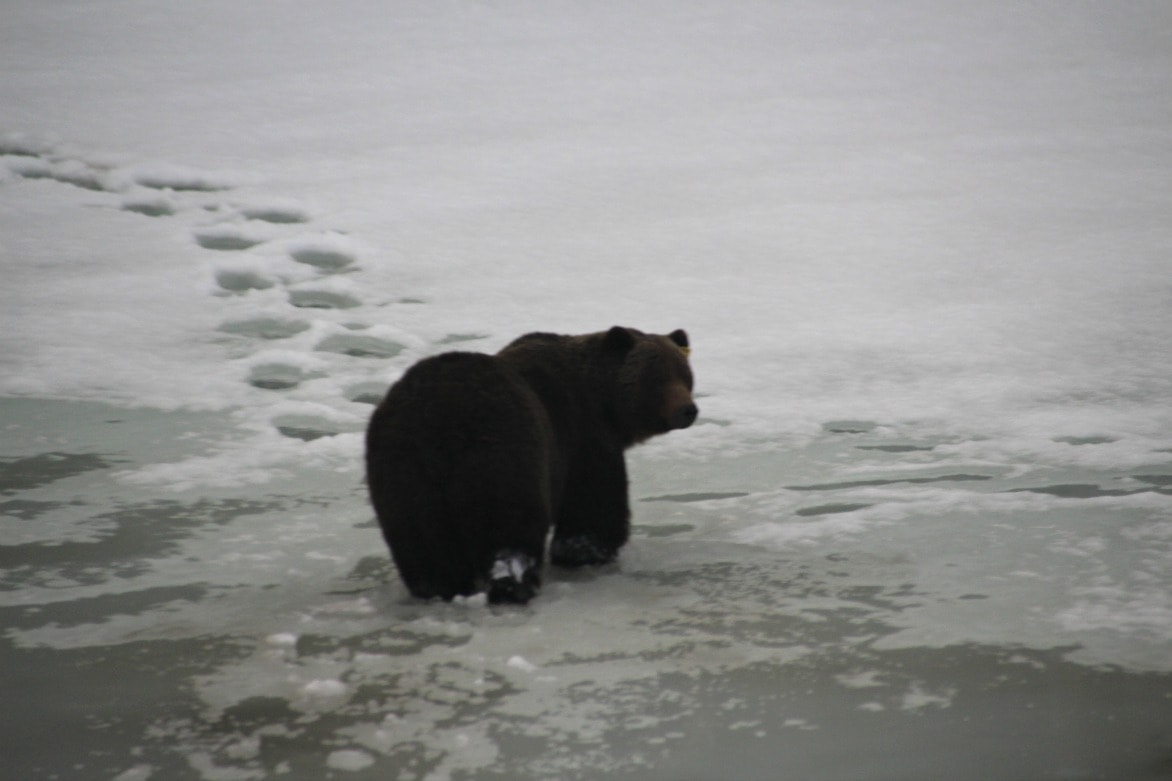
(862, 606)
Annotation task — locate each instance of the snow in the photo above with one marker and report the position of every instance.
(324, 688)
(282, 639)
(849, 211)
(921, 252)
(522, 664)
(349, 759)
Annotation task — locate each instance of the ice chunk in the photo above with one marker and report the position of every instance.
(323, 688)
(521, 663)
(351, 759)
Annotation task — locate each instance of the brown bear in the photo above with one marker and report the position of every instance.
(472, 458)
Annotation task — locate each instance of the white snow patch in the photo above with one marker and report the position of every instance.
(324, 688)
(861, 680)
(917, 698)
(175, 176)
(350, 759)
(522, 664)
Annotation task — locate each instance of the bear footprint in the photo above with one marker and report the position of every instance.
(265, 328)
(228, 238)
(370, 392)
(322, 299)
(177, 178)
(65, 171)
(241, 280)
(150, 205)
(329, 254)
(360, 346)
(276, 376)
(275, 214)
(307, 428)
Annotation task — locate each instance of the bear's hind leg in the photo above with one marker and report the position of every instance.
(514, 578)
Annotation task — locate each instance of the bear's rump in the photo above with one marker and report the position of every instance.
(458, 465)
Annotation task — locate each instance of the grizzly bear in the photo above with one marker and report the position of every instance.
(471, 459)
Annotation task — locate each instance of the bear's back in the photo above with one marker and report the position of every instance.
(446, 404)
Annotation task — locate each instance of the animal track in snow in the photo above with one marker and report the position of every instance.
(306, 427)
(849, 426)
(458, 338)
(150, 205)
(360, 346)
(73, 172)
(242, 280)
(244, 227)
(329, 253)
(322, 259)
(276, 376)
(30, 159)
(1087, 440)
(19, 145)
(150, 189)
(371, 392)
(322, 299)
(227, 237)
(276, 213)
(166, 176)
(264, 256)
(265, 327)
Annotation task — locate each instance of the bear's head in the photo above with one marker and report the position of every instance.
(653, 381)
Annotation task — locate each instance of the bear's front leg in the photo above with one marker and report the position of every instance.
(594, 519)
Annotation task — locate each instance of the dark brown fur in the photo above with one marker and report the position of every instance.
(472, 458)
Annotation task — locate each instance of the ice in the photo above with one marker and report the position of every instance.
(136, 773)
(282, 639)
(349, 759)
(861, 680)
(324, 689)
(522, 664)
(921, 254)
(917, 698)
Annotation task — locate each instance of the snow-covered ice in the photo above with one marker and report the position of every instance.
(922, 254)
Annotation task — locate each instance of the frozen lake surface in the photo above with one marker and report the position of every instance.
(922, 529)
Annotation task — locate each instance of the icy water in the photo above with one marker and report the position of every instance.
(865, 606)
(922, 529)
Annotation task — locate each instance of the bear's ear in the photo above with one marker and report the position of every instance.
(619, 339)
(680, 337)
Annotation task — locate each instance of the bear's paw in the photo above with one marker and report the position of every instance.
(514, 579)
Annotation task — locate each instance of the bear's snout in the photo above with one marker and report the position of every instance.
(678, 410)
(684, 416)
